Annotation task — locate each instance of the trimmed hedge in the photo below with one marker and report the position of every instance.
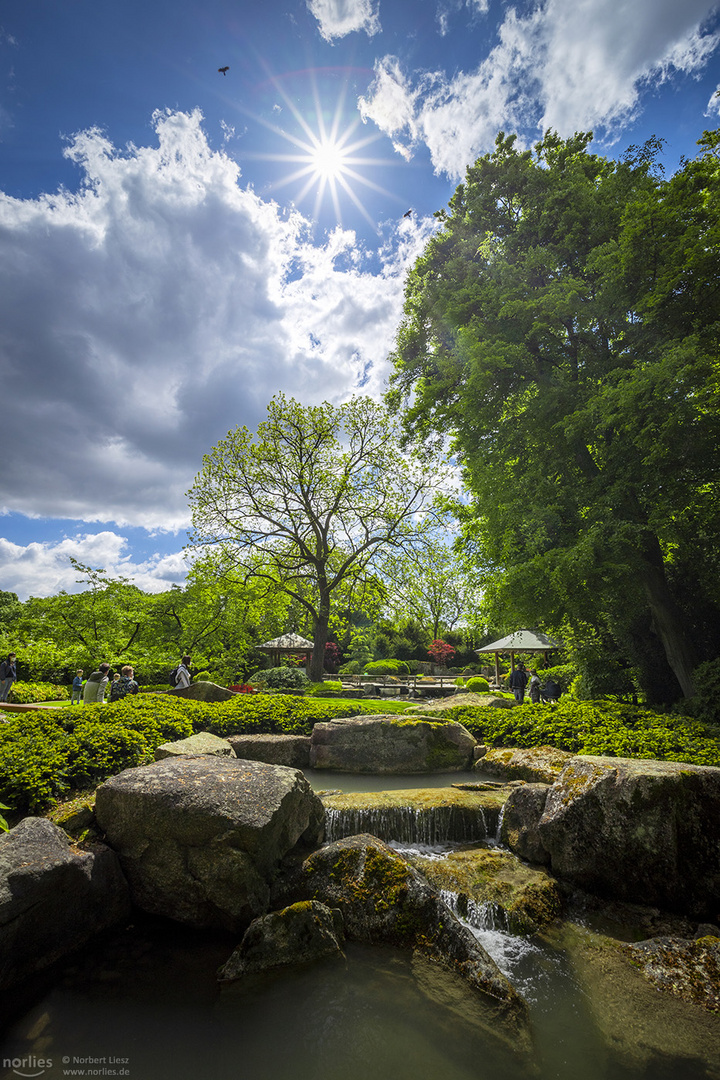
(607, 729)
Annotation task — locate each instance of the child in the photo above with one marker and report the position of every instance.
(76, 698)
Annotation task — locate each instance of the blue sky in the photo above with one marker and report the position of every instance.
(178, 244)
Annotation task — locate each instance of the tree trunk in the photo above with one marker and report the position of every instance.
(320, 636)
(668, 618)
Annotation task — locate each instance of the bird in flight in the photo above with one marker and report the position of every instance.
(224, 69)
(408, 213)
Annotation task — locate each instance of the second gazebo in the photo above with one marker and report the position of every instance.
(520, 641)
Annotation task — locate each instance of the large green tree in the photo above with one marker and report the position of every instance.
(562, 328)
(313, 501)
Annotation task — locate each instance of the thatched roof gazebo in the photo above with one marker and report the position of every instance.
(520, 641)
(287, 645)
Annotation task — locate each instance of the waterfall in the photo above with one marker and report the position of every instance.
(498, 832)
(409, 824)
(487, 915)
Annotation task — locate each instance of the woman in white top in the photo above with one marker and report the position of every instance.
(182, 675)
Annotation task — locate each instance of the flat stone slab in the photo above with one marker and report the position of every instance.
(202, 743)
(538, 764)
(416, 815)
(202, 691)
(53, 897)
(201, 838)
(290, 750)
(386, 744)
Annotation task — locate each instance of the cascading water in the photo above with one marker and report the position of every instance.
(408, 825)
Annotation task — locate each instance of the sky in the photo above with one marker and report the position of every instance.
(178, 242)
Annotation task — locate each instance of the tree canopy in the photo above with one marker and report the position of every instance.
(313, 501)
(562, 329)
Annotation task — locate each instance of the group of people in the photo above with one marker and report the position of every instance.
(520, 679)
(95, 687)
(8, 675)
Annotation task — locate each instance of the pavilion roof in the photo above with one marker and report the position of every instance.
(522, 641)
(291, 642)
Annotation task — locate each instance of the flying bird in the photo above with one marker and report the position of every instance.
(224, 69)
(408, 213)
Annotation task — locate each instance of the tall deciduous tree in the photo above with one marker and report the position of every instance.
(563, 327)
(313, 500)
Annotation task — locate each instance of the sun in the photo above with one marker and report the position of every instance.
(327, 155)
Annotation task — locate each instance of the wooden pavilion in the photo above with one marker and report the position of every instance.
(521, 641)
(287, 645)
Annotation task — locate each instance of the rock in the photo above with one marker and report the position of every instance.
(384, 744)
(76, 816)
(290, 750)
(492, 889)
(200, 839)
(299, 934)
(195, 746)
(202, 691)
(416, 815)
(520, 818)
(641, 831)
(538, 764)
(689, 969)
(383, 900)
(53, 898)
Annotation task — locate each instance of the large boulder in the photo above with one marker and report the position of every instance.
(521, 815)
(290, 750)
(203, 691)
(385, 744)
(53, 897)
(194, 746)
(538, 764)
(299, 934)
(686, 969)
(201, 839)
(641, 831)
(383, 900)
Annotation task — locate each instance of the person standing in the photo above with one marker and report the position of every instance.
(182, 675)
(123, 684)
(534, 687)
(8, 675)
(95, 686)
(517, 683)
(76, 698)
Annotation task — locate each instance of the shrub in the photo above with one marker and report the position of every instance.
(27, 693)
(705, 705)
(477, 685)
(353, 667)
(609, 729)
(440, 652)
(282, 678)
(562, 674)
(387, 667)
(202, 676)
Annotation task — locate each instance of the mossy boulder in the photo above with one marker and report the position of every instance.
(202, 691)
(520, 819)
(386, 744)
(687, 969)
(201, 838)
(493, 888)
(641, 831)
(299, 934)
(384, 900)
(290, 750)
(538, 764)
(196, 745)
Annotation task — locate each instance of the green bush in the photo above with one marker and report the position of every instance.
(477, 685)
(387, 667)
(27, 693)
(562, 674)
(202, 676)
(353, 667)
(608, 729)
(321, 689)
(705, 704)
(282, 678)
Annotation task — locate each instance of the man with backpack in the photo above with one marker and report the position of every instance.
(517, 683)
(181, 675)
(124, 685)
(95, 686)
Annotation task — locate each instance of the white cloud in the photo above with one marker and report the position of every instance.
(568, 64)
(43, 569)
(156, 308)
(337, 18)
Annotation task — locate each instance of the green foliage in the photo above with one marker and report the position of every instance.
(278, 714)
(562, 674)
(705, 705)
(329, 686)
(477, 685)
(608, 729)
(4, 827)
(387, 667)
(353, 667)
(282, 678)
(25, 693)
(202, 676)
